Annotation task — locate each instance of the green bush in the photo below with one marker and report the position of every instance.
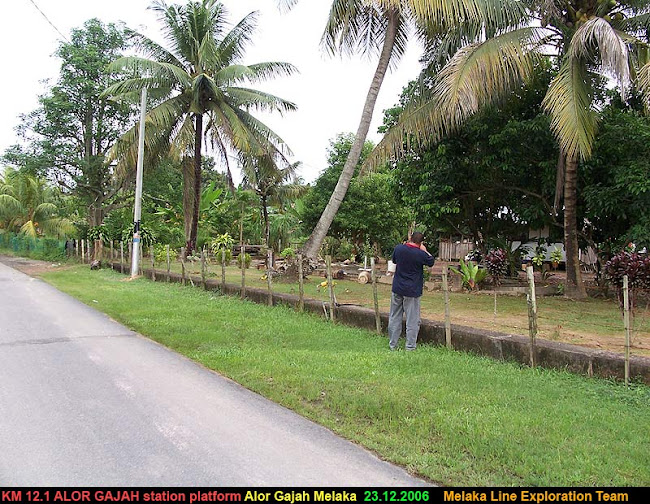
(288, 253)
(247, 260)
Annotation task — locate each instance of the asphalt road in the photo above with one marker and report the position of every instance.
(86, 402)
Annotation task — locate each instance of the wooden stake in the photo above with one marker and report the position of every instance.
(83, 252)
(153, 264)
(532, 313)
(184, 282)
(626, 323)
(169, 265)
(223, 270)
(330, 288)
(445, 291)
(269, 275)
(203, 268)
(375, 297)
(242, 257)
(112, 255)
(301, 285)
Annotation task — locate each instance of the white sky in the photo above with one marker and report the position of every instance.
(329, 92)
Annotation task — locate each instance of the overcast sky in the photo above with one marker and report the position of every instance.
(329, 92)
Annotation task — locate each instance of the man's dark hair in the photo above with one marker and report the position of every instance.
(417, 238)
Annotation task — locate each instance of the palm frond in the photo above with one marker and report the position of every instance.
(232, 47)
(269, 70)
(251, 98)
(354, 26)
(9, 205)
(643, 79)
(568, 101)
(151, 49)
(477, 75)
(597, 41)
(44, 211)
(29, 229)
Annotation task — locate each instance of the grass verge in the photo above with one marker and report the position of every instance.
(454, 418)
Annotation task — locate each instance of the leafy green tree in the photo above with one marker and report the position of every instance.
(29, 206)
(494, 176)
(69, 135)
(616, 181)
(372, 212)
(199, 75)
(383, 26)
(588, 39)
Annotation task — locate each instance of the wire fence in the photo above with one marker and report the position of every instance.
(50, 249)
(596, 324)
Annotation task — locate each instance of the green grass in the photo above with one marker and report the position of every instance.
(452, 417)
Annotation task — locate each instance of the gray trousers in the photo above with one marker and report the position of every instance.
(410, 306)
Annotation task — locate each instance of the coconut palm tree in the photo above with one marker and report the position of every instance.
(383, 26)
(273, 184)
(199, 87)
(28, 206)
(587, 39)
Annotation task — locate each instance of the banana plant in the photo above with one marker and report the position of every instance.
(471, 274)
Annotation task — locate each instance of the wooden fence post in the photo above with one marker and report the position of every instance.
(153, 263)
(203, 268)
(223, 270)
(88, 251)
(83, 253)
(121, 257)
(330, 288)
(169, 266)
(532, 313)
(112, 255)
(626, 322)
(375, 296)
(445, 291)
(269, 274)
(242, 260)
(183, 281)
(301, 285)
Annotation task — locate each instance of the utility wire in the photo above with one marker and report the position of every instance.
(47, 19)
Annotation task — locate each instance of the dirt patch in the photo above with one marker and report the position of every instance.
(31, 267)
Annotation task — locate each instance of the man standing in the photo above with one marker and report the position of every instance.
(410, 259)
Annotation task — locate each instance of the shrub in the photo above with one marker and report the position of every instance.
(160, 254)
(635, 266)
(288, 253)
(496, 263)
(221, 243)
(247, 260)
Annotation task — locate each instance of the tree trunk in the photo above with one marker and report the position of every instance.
(574, 287)
(198, 136)
(267, 227)
(315, 241)
(96, 218)
(188, 196)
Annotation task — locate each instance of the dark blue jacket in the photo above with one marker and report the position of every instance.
(409, 276)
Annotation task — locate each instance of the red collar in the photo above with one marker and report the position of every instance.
(413, 245)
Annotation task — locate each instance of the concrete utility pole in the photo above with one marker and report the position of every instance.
(137, 212)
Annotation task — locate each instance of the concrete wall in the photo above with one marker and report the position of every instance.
(548, 354)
